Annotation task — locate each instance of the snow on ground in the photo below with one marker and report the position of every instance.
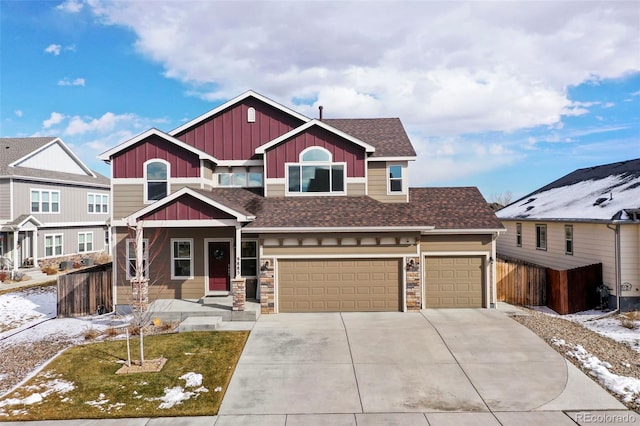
(27, 307)
(177, 394)
(52, 386)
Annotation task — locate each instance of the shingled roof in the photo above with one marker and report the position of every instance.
(13, 149)
(387, 135)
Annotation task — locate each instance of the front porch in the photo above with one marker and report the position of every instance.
(177, 310)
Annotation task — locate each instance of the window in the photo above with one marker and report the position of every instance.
(568, 239)
(241, 177)
(85, 242)
(43, 201)
(541, 237)
(519, 234)
(181, 258)
(53, 245)
(131, 258)
(157, 177)
(251, 115)
(97, 203)
(316, 173)
(395, 178)
(249, 261)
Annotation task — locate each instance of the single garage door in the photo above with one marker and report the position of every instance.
(358, 285)
(453, 282)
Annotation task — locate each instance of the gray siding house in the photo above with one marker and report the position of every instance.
(51, 204)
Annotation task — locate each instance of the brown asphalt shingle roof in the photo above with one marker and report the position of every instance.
(442, 208)
(387, 135)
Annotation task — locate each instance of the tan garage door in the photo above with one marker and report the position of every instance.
(453, 282)
(339, 285)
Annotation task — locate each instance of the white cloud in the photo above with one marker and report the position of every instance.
(70, 6)
(54, 119)
(74, 82)
(81, 125)
(54, 49)
(18, 113)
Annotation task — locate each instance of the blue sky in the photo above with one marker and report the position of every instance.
(503, 96)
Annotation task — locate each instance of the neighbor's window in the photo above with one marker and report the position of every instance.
(181, 258)
(97, 203)
(53, 245)
(157, 177)
(131, 258)
(568, 239)
(395, 178)
(249, 262)
(518, 234)
(85, 242)
(43, 201)
(541, 237)
(316, 173)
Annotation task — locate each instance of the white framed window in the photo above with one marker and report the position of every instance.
(396, 179)
(131, 258)
(85, 242)
(518, 235)
(156, 175)
(251, 115)
(240, 177)
(182, 258)
(97, 203)
(53, 245)
(249, 259)
(45, 201)
(568, 239)
(316, 173)
(541, 237)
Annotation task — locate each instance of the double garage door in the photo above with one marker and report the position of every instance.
(454, 282)
(340, 285)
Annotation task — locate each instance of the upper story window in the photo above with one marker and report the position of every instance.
(316, 173)
(156, 173)
(45, 201)
(396, 178)
(97, 203)
(541, 237)
(241, 177)
(518, 234)
(568, 239)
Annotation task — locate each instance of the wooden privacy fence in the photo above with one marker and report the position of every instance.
(520, 283)
(574, 290)
(86, 291)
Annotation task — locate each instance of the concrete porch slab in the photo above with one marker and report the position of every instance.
(199, 324)
(177, 310)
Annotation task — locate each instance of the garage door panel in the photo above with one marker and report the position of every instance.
(453, 281)
(339, 285)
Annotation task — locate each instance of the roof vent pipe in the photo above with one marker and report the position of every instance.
(320, 108)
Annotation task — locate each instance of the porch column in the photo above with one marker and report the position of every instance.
(238, 250)
(35, 248)
(15, 249)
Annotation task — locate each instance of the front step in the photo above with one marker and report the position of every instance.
(210, 323)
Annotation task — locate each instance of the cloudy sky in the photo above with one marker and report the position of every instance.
(506, 96)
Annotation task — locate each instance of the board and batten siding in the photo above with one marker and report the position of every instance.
(73, 202)
(592, 243)
(5, 199)
(377, 182)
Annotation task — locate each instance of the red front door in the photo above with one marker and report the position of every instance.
(219, 265)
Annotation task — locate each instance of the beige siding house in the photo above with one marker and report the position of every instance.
(588, 216)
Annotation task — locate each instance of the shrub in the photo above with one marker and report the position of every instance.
(111, 332)
(90, 333)
(49, 270)
(4, 276)
(77, 265)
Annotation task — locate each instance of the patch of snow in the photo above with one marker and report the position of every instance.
(101, 404)
(177, 394)
(44, 390)
(218, 389)
(193, 379)
(26, 307)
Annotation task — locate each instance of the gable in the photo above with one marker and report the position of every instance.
(229, 135)
(129, 163)
(187, 207)
(55, 157)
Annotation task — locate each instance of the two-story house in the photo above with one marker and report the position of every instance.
(316, 215)
(52, 206)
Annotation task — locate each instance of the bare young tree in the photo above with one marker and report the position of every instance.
(502, 199)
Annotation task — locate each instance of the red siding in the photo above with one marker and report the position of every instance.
(289, 152)
(228, 135)
(130, 163)
(187, 208)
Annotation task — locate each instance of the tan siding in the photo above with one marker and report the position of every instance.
(275, 190)
(592, 243)
(377, 183)
(630, 257)
(127, 198)
(356, 189)
(5, 199)
(453, 243)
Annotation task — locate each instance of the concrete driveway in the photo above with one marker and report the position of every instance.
(444, 366)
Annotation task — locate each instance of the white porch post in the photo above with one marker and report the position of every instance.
(35, 248)
(15, 249)
(238, 250)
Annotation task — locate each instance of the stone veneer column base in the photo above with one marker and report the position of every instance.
(239, 291)
(413, 295)
(267, 286)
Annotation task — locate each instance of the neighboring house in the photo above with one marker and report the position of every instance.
(315, 215)
(51, 204)
(589, 216)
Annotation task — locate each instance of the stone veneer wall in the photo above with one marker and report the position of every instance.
(267, 285)
(413, 289)
(238, 289)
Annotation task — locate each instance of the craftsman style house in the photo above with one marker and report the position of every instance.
(52, 206)
(309, 215)
(591, 215)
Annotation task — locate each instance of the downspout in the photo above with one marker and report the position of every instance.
(616, 229)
